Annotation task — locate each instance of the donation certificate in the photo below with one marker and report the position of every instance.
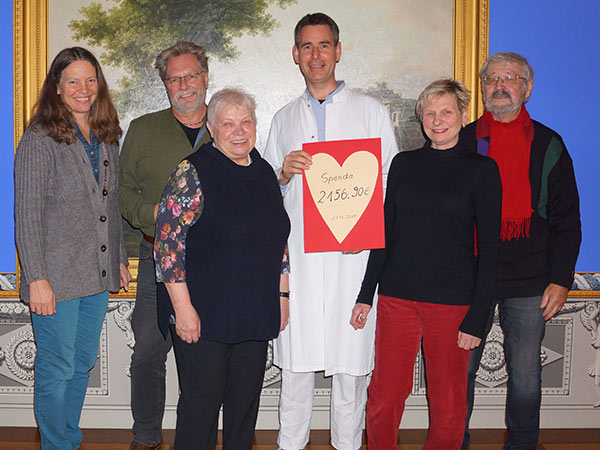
(343, 196)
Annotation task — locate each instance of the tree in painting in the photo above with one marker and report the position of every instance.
(133, 32)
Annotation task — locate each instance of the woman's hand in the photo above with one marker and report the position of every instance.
(284, 307)
(187, 324)
(358, 319)
(467, 342)
(41, 298)
(125, 276)
(187, 321)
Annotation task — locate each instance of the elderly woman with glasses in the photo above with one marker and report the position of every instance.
(436, 274)
(220, 238)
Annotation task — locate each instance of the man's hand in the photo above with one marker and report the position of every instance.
(467, 342)
(358, 319)
(294, 163)
(124, 276)
(41, 298)
(553, 300)
(351, 252)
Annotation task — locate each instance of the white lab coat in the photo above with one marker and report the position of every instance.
(324, 286)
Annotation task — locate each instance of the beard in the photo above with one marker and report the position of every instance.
(505, 109)
(200, 97)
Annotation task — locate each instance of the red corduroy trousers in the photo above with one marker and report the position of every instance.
(401, 325)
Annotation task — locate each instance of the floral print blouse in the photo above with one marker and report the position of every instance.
(180, 207)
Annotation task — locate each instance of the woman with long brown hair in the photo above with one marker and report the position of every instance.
(68, 234)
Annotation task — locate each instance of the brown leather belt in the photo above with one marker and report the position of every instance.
(149, 239)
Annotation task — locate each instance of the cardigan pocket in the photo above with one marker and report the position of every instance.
(68, 181)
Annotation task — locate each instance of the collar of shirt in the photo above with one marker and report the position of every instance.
(92, 149)
(318, 108)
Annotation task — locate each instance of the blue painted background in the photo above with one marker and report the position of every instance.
(7, 241)
(561, 41)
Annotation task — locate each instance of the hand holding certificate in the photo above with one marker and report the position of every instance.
(343, 196)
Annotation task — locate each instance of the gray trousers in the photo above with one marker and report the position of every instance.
(148, 367)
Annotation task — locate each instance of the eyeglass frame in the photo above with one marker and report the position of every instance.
(507, 79)
(176, 80)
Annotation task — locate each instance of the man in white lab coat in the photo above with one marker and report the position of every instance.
(323, 286)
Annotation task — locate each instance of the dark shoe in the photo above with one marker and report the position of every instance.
(138, 446)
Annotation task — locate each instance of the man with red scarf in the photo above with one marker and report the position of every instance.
(539, 237)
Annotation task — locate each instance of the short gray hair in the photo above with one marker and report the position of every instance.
(441, 87)
(509, 57)
(179, 49)
(230, 96)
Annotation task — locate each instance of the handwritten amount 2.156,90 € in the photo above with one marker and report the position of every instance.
(336, 195)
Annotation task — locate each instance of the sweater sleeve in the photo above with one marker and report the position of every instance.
(137, 211)
(179, 208)
(487, 197)
(563, 218)
(377, 257)
(32, 165)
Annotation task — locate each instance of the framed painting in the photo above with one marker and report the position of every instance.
(412, 44)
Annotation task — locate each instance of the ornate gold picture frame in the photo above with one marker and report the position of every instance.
(470, 48)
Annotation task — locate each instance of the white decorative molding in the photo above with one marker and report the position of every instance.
(122, 312)
(569, 394)
(272, 372)
(17, 354)
(590, 318)
(18, 349)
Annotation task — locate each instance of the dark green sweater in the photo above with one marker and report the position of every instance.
(154, 145)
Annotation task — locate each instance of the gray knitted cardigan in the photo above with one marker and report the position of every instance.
(67, 226)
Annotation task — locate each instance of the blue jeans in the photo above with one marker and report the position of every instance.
(67, 348)
(524, 328)
(148, 361)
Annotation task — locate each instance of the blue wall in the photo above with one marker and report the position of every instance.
(561, 40)
(7, 242)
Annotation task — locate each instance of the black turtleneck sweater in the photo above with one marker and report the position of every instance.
(436, 202)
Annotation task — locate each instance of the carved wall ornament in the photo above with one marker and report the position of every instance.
(122, 312)
(590, 318)
(20, 355)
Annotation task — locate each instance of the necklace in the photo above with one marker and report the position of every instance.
(191, 124)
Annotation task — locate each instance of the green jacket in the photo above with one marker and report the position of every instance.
(154, 145)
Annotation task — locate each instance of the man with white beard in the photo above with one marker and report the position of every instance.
(539, 238)
(154, 145)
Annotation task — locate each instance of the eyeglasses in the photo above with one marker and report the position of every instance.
(507, 79)
(174, 81)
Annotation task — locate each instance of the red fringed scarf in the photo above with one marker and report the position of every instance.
(510, 147)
